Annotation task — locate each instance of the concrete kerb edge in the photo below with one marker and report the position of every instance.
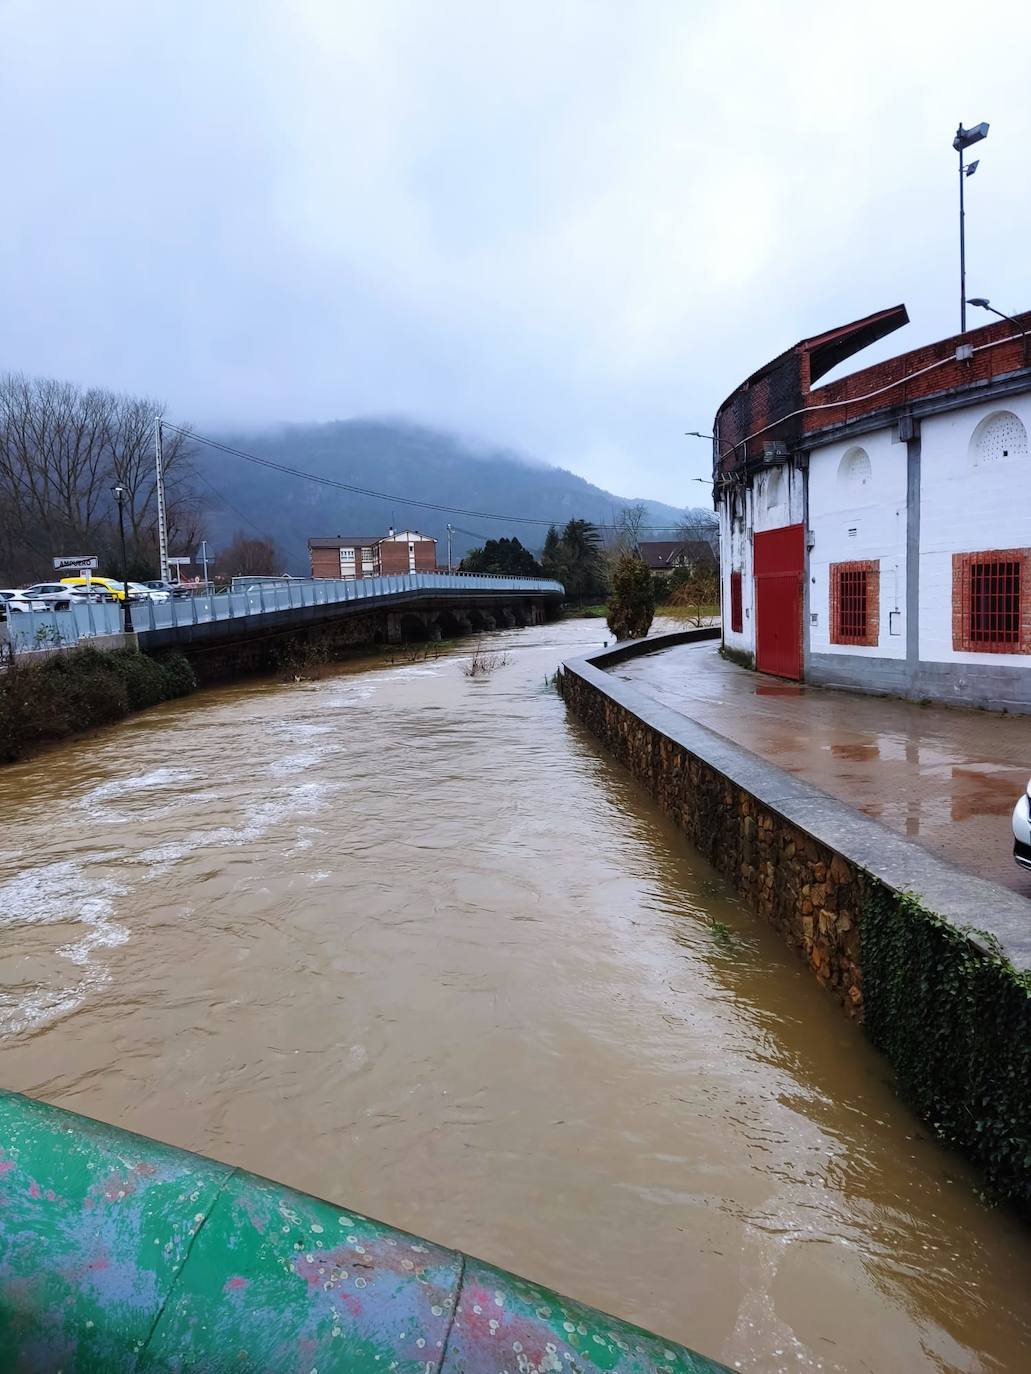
(953, 894)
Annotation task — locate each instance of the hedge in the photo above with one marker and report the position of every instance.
(70, 692)
(953, 1015)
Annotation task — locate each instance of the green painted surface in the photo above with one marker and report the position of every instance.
(121, 1254)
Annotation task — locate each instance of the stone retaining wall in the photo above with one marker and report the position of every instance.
(804, 861)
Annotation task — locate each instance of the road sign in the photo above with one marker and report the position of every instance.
(180, 562)
(77, 563)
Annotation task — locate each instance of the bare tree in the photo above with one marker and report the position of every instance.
(62, 449)
(249, 557)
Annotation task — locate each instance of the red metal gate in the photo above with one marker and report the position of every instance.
(779, 562)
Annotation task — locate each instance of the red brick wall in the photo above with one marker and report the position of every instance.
(325, 562)
(394, 555)
(962, 564)
(838, 634)
(951, 375)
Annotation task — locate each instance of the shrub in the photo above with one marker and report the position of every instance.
(70, 692)
(180, 679)
(144, 681)
(632, 603)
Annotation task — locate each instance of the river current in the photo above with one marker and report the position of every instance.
(409, 940)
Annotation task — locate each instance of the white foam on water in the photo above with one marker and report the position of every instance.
(52, 893)
(290, 764)
(303, 798)
(121, 787)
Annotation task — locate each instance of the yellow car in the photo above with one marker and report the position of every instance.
(110, 585)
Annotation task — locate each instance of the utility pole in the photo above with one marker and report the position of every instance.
(449, 547)
(159, 473)
(964, 139)
(204, 563)
(119, 493)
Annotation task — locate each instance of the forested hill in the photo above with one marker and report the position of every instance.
(408, 462)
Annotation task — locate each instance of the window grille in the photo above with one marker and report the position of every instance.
(995, 602)
(855, 603)
(990, 611)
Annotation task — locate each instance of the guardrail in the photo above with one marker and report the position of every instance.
(50, 629)
(30, 630)
(118, 1253)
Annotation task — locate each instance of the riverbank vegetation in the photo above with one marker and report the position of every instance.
(953, 1015)
(50, 697)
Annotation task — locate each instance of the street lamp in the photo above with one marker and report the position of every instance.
(986, 305)
(118, 492)
(697, 434)
(965, 138)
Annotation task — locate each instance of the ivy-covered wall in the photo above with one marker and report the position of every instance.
(954, 1017)
(950, 1011)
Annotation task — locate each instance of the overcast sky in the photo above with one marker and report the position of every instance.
(568, 227)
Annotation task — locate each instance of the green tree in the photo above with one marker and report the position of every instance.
(632, 599)
(502, 556)
(576, 558)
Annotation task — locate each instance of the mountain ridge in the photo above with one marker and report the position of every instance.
(493, 490)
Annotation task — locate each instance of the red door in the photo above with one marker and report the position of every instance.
(779, 561)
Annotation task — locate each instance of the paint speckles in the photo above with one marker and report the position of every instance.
(317, 1228)
(234, 1285)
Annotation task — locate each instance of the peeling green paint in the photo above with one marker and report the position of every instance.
(119, 1254)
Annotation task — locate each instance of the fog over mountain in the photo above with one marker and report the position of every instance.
(410, 463)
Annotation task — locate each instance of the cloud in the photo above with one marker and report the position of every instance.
(569, 227)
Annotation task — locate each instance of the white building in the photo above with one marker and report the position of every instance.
(876, 531)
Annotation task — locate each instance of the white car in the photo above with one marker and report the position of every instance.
(148, 593)
(1022, 830)
(13, 601)
(54, 595)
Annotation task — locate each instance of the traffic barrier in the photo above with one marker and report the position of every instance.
(120, 1254)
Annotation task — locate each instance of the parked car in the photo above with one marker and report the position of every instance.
(148, 593)
(1022, 829)
(15, 602)
(106, 587)
(54, 595)
(175, 589)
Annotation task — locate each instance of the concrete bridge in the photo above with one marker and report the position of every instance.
(243, 631)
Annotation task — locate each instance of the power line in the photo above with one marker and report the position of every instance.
(384, 496)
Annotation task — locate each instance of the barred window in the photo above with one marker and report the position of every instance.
(736, 613)
(855, 602)
(995, 602)
(990, 601)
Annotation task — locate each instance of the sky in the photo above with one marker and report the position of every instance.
(568, 227)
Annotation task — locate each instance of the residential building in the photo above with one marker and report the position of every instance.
(353, 555)
(666, 555)
(876, 530)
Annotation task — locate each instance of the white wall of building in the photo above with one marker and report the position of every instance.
(975, 479)
(776, 498)
(857, 510)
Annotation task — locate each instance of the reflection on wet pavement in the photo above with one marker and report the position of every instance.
(947, 778)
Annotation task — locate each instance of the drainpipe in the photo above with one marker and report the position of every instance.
(121, 1254)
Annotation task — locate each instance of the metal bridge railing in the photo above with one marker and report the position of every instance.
(52, 629)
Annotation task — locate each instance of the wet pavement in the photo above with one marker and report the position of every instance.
(945, 778)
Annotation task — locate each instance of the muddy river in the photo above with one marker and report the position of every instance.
(409, 940)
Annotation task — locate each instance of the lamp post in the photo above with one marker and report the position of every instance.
(118, 492)
(964, 139)
(986, 305)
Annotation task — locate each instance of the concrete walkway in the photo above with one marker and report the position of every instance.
(946, 778)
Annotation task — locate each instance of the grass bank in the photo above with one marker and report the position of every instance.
(66, 693)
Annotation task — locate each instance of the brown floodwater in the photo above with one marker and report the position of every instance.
(411, 941)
